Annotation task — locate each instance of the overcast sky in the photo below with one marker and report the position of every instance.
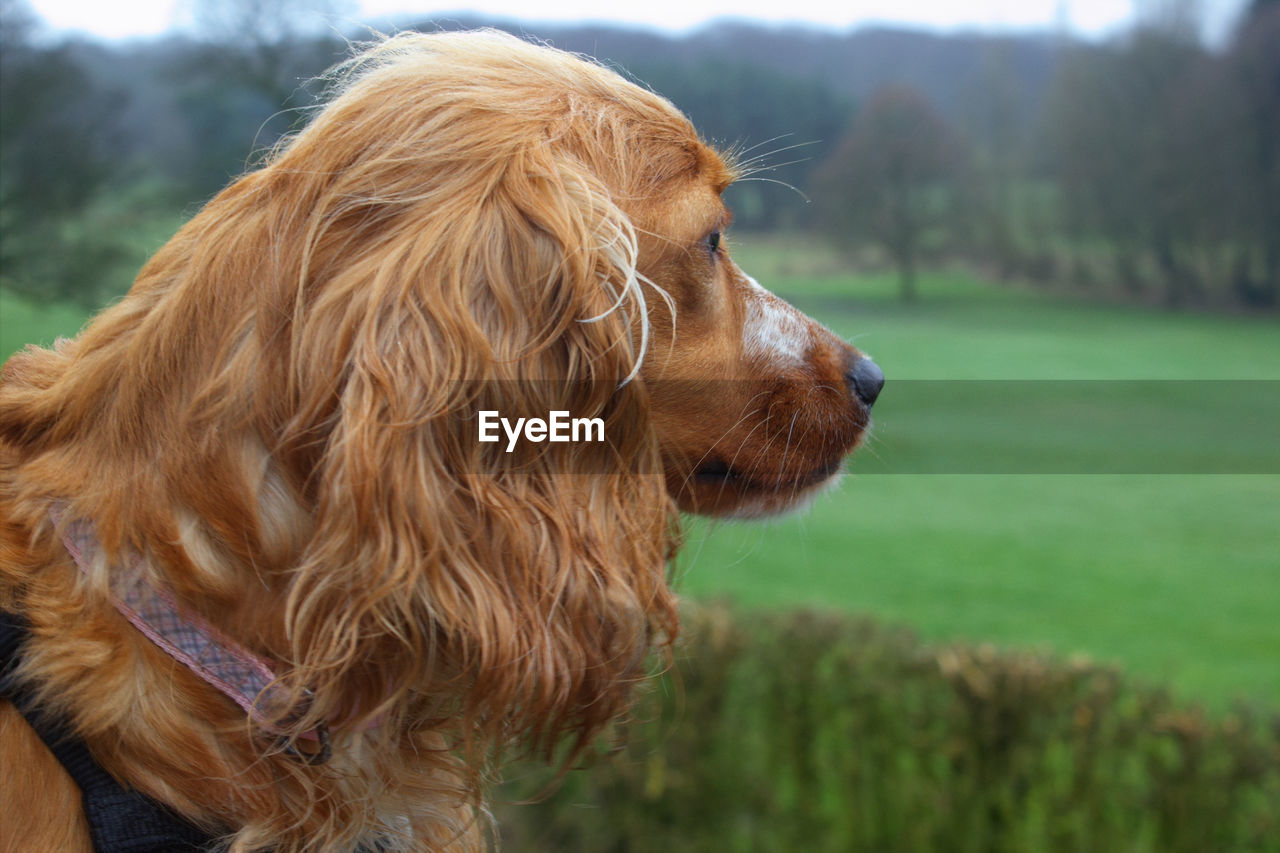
(124, 18)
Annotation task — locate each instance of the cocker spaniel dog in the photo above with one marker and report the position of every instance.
(295, 540)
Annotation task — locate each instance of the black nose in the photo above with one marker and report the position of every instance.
(866, 379)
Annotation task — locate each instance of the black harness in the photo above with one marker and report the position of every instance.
(120, 820)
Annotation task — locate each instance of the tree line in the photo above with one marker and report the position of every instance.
(1150, 170)
(1146, 167)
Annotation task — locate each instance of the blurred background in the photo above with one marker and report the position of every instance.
(1042, 611)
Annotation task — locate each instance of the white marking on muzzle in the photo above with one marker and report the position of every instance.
(773, 331)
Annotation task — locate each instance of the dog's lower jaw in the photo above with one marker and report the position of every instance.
(729, 495)
(789, 503)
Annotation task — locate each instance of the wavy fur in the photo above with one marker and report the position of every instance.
(270, 416)
(278, 416)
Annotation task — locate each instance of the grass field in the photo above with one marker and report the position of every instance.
(22, 322)
(1174, 576)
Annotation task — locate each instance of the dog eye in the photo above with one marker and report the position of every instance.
(713, 242)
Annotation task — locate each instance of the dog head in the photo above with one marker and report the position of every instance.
(755, 405)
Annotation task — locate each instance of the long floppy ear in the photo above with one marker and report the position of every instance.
(450, 584)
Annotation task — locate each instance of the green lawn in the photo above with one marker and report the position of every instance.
(1175, 576)
(22, 322)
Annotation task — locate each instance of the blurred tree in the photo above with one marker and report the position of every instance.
(1170, 155)
(242, 86)
(1254, 65)
(892, 179)
(775, 120)
(56, 135)
(1122, 171)
(1181, 19)
(258, 43)
(996, 116)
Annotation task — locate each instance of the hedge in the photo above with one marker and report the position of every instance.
(811, 731)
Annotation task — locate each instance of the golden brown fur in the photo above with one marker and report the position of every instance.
(278, 415)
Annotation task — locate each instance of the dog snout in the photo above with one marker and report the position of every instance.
(865, 380)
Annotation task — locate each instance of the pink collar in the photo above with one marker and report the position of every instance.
(238, 673)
